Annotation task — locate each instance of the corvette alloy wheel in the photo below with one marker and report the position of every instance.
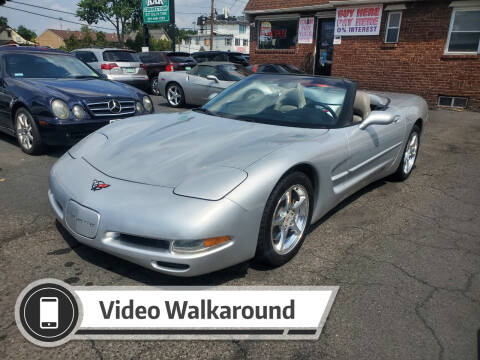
(175, 95)
(24, 131)
(290, 219)
(410, 153)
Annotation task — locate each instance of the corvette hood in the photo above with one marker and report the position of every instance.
(165, 150)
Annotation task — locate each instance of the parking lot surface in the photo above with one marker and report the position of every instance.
(405, 255)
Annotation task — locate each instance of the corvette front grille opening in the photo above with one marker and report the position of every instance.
(173, 266)
(139, 242)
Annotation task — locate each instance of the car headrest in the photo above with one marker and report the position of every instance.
(361, 106)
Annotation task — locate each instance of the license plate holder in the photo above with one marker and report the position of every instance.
(82, 220)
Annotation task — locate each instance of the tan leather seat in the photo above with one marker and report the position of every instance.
(361, 106)
(292, 99)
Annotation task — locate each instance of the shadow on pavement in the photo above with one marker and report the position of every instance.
(332, 212)
(143, 275)
(53, 151)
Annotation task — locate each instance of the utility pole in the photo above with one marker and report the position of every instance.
(212, 22)
(172, 23)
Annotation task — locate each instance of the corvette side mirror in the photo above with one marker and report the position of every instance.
(212, 77)
(378, 118)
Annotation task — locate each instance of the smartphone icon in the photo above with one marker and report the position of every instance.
(48, 313)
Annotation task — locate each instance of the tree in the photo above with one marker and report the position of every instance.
(119, 13)
(2, 2)
(27, 34)
(71, 44)
(3, 23)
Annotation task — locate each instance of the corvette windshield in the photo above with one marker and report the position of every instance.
(47, 66)
(302, 101)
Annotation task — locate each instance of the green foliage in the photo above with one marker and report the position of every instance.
(155, 44)
(3, 23)
(87, 40)
(122, 14)
(27, 34)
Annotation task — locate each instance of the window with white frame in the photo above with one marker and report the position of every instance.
(242, 29)
(237, 42)
(245, 42)
(464, 32)
(228, 41)
(392, 31)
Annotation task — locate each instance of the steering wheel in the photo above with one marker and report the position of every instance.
(328, 108)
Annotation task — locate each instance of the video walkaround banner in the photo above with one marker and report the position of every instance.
(49, 312)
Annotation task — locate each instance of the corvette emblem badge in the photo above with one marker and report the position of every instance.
(99, 185)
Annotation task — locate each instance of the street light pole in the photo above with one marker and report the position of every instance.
(212, 21)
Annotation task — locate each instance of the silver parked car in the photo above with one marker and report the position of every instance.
(116, 64)
(196, 86)
(241, 177)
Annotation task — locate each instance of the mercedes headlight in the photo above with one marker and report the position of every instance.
(140, 108)
(147, 104)
(79, 112)
(60, 109)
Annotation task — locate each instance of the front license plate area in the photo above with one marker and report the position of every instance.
(82, 220)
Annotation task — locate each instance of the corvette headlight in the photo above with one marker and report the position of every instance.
(60, 109)
(191, 246)
(147, 104)
(79, 112)
(140, 108)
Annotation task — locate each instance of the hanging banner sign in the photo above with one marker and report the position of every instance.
(361, 20)
(305, 30)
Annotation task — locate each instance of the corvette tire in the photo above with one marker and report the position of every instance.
(409, 156)
(286, 220)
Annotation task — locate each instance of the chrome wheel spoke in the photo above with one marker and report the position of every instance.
(289, 219)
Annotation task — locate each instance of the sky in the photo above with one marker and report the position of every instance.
(187, 12)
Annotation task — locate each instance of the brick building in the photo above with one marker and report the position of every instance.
(431, 48)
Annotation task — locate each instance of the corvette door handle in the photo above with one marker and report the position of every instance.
(396, 119)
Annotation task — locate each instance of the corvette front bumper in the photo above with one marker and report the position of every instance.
(138, 222)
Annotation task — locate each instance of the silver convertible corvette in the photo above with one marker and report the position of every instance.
(241, 177)
(198, 85)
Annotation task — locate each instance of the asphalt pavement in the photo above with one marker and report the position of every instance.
(405, 255)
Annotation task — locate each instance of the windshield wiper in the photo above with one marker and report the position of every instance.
(204, 111)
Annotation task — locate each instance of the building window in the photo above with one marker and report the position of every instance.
(197, 41)
(207, 41)
(245, 42)
(277, 34)
(392, 31)
(237, 42)
(464, 32)
(188, 41)
(242, 29)
(453, 101)
(228, 41)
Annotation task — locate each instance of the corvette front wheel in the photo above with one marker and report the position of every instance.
(285, 220)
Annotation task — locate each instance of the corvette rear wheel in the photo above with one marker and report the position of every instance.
(27, 132)
(409, 155)
(175, 95)
(285, 220)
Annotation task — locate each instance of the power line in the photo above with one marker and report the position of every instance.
(55, 18)
(42, 7)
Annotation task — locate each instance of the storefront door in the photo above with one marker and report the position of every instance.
(324, 57)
